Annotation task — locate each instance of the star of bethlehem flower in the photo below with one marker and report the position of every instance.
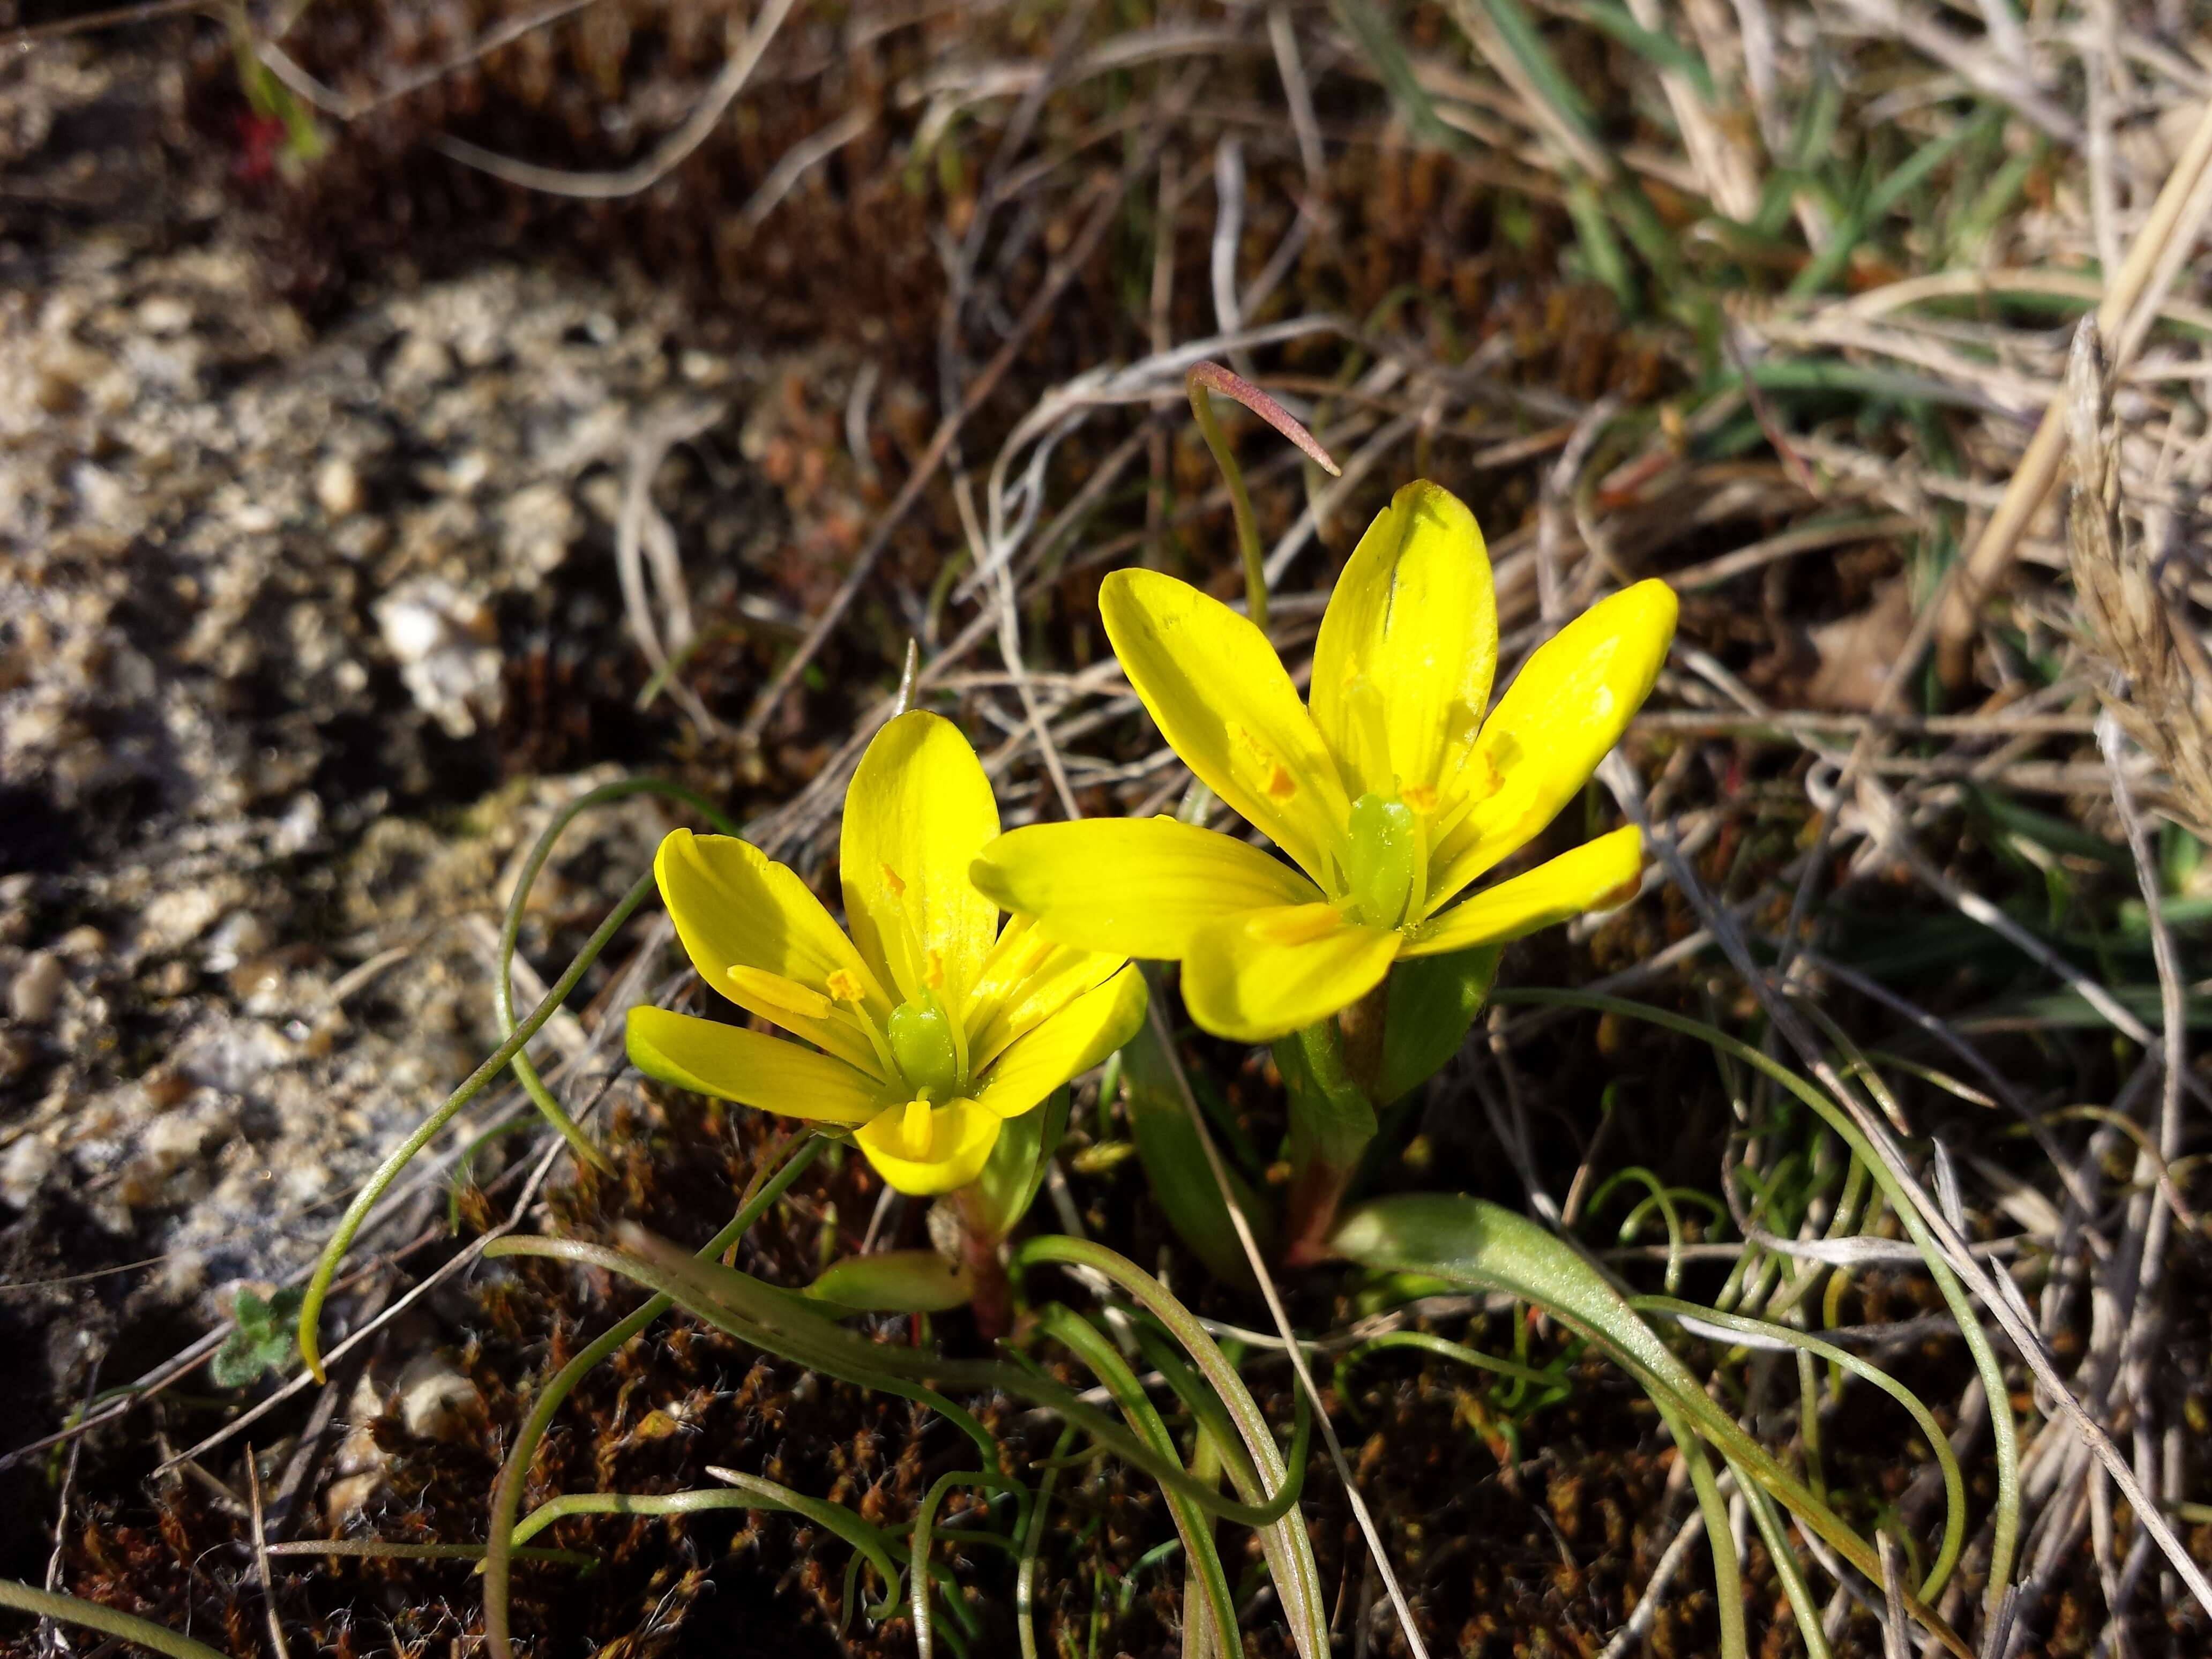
(930, 1025)
(1389, 792)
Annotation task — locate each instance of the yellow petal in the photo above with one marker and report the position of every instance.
(1594, 877)
(1066, 1046)
(736, 907)
(750, 1067)
(1407, 646)
(1218, 694)
(919, 811)
(925, 1155)
(1135, 886)
(1566, 708)
(1028, 980)
(1265, 973)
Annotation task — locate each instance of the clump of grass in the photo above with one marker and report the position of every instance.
(1762, 302)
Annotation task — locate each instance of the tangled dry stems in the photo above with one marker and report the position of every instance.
(1583, 487)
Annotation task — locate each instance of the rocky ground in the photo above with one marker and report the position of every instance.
(305, 630)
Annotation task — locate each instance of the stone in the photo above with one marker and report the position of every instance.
(36, 988)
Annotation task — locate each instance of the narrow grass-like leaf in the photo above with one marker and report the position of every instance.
(1284, 1541)
(514, 1473)
(108, 1621)
(342, 1238)
(2006, 1532)
(1954, 1482)
(1194, 1527)
(1485, 1245)
(740, 1491)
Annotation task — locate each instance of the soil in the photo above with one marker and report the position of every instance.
(311, 477)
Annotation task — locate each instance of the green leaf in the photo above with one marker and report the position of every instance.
(1176, 1165)
(1002, 1194)
(1660, 51)
(262, 1340)
(1433, 1003)
(1488, 1247)
(1378, 39)
(1332, 1120)
(894, 1281)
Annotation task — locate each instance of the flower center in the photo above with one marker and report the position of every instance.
(926, 1047)
(1379, 862)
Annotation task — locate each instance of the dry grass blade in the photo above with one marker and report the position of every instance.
(2131, 628)
(665, 157)
(1998, 545)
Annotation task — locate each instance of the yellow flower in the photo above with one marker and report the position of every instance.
(1390, 793)
(930, 1025)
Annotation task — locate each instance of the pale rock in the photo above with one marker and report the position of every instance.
(442, 638)
(338, 488)
(24, 1169)
(36, 988)
(435, 1399)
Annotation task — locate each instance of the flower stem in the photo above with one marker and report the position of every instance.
(1240, 500)
(1328, 1075)
(992, 1303)
(1204, 379)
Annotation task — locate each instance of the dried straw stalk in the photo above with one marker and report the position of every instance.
(2156, 686)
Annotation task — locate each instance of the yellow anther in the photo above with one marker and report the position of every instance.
(914, 1134)
(773, 993)
(845, 986)
(1421, 797)
(893, 880)
(1281, 786)
(932, 972)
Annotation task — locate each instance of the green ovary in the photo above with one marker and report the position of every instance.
(922, 1042)
(1379, 862)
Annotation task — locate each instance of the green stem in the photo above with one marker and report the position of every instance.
(126, 1627)
(1065, 1326)
(511, 929)
(1240, 501)
(1032, 1542)
(1720, 1538)
(2005, 1538)
(506, 1492)
(319, 1287)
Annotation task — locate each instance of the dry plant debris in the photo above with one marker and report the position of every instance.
(1767, 301)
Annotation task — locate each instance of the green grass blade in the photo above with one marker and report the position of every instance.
(125, 1626)
(2006, 1535)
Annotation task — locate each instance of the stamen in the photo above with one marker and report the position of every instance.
(1262, 764)
(846, 989)
(914, 1127)
(901, 939)
(774, 994)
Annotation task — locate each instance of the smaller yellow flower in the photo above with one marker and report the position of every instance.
(1390, 791)
(930, 1025)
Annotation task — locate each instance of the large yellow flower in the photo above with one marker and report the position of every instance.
(1390, 793)
(930, 1026)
